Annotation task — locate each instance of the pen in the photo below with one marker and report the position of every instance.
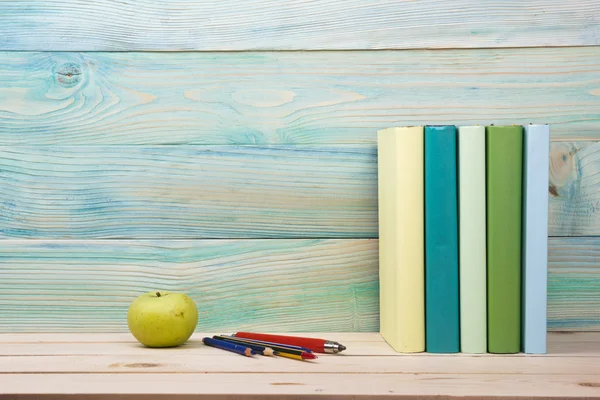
(316, 345)
(280, 350)
(262, 342)
(233, 347)
(265, 351)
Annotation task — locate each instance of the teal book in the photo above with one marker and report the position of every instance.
(504, 153)
(442, 332)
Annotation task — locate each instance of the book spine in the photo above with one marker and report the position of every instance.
(504, 149)
(386, 166)
(401, 235)
(536, 153)
(441, 241)
(410, 241)
(472, 239)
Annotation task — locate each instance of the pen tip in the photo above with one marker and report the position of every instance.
(341, 347)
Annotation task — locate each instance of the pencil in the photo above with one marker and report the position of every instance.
(302, 356)
(263, 350)
(233, 347)
(282, 351)
(262, 342)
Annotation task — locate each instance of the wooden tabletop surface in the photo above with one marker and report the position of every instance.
(102, 366)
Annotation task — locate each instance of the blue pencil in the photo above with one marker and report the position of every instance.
(272, 344)
(259, 349)
(223, 345)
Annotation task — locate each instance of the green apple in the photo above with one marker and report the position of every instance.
(162, 319)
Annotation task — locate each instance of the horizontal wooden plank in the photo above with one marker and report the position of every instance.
(73, 345)
(209, 360)
(574, 282)
(120, 366)
(67, 25)
(193, 348)
(270, 191)
(560, 344)
(344, 337)
(574, 189)
(300, 386)
(188, 192)
(290, 97)
(290, 285)
(573, 344)
(86, 286)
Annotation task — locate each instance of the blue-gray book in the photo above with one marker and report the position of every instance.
(536, 154)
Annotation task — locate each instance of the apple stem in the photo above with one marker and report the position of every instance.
(157, 294)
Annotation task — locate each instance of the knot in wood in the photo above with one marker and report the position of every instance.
(68, 75)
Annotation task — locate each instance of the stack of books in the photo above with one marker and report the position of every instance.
(463, 238)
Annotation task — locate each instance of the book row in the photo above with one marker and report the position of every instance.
(463, 238)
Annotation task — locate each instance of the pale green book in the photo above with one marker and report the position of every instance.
(472, 239)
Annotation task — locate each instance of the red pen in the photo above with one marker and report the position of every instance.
(315, 345)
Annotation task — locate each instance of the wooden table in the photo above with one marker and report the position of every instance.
(102, 366)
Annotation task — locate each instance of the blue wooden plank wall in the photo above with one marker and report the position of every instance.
(243, 171)
(173, 25)
(290, 97)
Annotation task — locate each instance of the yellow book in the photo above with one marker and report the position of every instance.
(401, 238)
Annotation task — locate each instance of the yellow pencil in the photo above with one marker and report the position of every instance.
(289, 355)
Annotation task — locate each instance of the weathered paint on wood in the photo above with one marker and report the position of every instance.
(298, 24)
(574, 189)
(574, 284)
(272, 285)
(288, 285)
(290, 97)
(198, 191)
(171, 192)
(371, 341)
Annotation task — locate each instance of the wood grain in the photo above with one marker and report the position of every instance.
(73, 345)
(198, 191)
(573, 284)
(345, 337)
(299, 25)
(175, 192)
(574, 189)
(196, 358)
(323, 285)
(290, 285)
(560, 344)
(290, 97)
(124, 368)
(201, 361)
(281, 386)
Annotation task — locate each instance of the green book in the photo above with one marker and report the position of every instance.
(504, 152)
